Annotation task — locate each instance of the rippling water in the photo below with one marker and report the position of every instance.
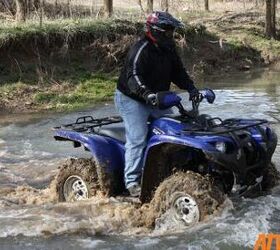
(29, 157)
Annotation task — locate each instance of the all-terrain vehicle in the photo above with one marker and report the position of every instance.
(191, 161)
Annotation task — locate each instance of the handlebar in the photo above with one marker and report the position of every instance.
(207, 94)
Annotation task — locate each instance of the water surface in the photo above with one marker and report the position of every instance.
(29, 158)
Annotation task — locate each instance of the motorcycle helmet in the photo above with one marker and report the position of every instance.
(160, 27)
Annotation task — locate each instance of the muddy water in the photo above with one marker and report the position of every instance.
(30, 218)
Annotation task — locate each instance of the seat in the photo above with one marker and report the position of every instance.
(116, 131)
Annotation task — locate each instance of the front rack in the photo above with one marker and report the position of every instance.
(88, 123)
(226, 126)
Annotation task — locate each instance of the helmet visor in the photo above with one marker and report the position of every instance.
(169, 33)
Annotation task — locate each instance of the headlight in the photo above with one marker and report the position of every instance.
(221, 146)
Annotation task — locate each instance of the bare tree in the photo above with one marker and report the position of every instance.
(164, 5)
(270, 29)
(21, 10)
(273, 17)
(206, 5)
(69, 9)
(9, 6)
(141, 6)
(150, 5)
(41, 12)
(108, 8)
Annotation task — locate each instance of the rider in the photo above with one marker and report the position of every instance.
(151, 65)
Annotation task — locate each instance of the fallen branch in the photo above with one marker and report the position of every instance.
(220, 42)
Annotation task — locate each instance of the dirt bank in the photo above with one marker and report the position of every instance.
(56, 66)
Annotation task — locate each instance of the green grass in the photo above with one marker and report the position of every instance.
(78, 87)
(11, 32)
(94, 89)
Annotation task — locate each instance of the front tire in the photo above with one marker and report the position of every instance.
(188, 197)
(271, 177)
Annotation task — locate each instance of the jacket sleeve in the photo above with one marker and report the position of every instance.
(179, 75)
(137, 68)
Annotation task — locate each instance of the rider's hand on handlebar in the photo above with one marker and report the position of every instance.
(195, 96)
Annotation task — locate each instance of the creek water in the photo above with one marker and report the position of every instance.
(29, 157)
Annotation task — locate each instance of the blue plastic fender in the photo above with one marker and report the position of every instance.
(107, 152)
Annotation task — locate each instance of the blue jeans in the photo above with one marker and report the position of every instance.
(135, 116)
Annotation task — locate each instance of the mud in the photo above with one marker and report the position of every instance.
(271, 177)
(27, 195)
(86, 168)
(110, 215)
(101, 214)
(208, 196)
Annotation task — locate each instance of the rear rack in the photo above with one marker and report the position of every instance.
(226, 126)
(88, 123)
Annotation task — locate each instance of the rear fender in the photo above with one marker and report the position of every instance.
(107, 152)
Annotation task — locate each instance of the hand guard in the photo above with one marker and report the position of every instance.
(167, 99)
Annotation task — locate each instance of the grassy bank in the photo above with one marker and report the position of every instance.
(71, 64)
(91, 89)
(62, 65)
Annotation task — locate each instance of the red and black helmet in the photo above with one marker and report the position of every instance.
(160, 27)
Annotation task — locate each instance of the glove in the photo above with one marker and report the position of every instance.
(195, 96)
(151, 98)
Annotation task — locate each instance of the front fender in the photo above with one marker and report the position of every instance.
(157, 165)
(182, 140)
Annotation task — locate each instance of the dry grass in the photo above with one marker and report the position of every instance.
(130, 9)
(176, 6)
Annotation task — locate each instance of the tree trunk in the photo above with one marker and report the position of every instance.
(164, 5)
(150, 4)
(206, 5)
(108, 8)
(42, 7)
(256, 3)
(36, 4)
(69, 9)
(273, 17)
(269, 29)
(21, 10)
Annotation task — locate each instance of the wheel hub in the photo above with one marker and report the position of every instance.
(185, 208)
(75, 189)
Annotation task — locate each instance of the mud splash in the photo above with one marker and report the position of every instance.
(208, 197)
(38, 212)
(100, 214)
(27, 195)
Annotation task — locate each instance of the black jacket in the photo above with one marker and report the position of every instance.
(151, 69)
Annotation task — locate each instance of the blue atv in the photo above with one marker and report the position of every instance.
(191, 161)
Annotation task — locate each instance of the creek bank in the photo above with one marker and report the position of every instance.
(75, 64)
